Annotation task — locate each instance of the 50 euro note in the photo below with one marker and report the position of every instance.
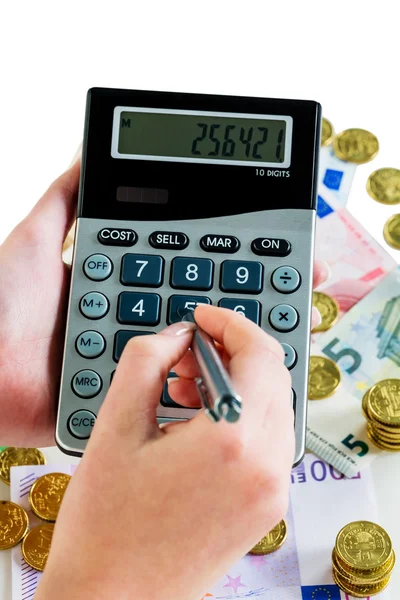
(356, 260)
(366, 346)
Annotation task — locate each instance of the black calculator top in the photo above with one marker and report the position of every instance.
(199, 155)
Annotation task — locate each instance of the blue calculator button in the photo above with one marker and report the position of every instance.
(81, 423)
(142, 270)
(192, 273)
(286, 279)
(121, 339)
(249, 308)
(290, 355)
(139, 308)
(241, 276)
(179, 305)
(284, 317)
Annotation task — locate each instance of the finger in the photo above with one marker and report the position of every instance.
(131, 403)
(316, 318)
(234, 331)
(321, 272)
(184, 392)
(256, 365)
(187, 366)
(54, 213)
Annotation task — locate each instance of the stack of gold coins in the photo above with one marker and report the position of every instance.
(362, 559)
(272, 541)
(381, 407)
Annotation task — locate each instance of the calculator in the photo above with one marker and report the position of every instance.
(186, 199)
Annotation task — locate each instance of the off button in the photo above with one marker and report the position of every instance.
(86, 383)
(97, 267)
(81, 423)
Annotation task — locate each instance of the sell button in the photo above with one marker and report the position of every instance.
(271, 247)
(169, 240)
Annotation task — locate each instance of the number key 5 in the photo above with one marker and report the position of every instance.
(142, 270)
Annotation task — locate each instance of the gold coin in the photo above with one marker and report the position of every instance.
(357, 576)
(389, 436)
(36, 545)
(391, 231)
(15, 457)
(272, 541)
(359, 591)
(327, 132)
(46, 495)
(381, 443)
(383, 185)
(323, 379)
(356, 145)
(384, 402)
(328, 308)
(14, 524)
(363, 545)
(364, 405)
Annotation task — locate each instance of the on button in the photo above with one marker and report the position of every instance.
(271, 247)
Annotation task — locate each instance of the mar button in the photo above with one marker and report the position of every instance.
(227, 244)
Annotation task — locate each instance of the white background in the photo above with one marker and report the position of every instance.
(344, 54)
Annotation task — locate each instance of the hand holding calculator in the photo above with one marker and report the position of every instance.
(187, 199)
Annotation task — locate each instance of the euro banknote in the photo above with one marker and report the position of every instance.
(365, 344)
(335, 175)
(357, 261)
(299, 570)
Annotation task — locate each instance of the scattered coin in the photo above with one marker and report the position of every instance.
(36, 545)
(383, 185)
(356, 145)
(327, 132)
(272, 541)
(329, 310)
(14, 457)
(14, 524)
(323, 379)
(391, 231)
(46, 495)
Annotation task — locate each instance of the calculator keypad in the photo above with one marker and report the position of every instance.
(192, 273)
(249, 308)
(241, 276)
(166, 273)
(142, 270)
(179, 305)
(139, 308)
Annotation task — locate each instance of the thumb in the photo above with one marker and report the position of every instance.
(131, 403)
(51, 218)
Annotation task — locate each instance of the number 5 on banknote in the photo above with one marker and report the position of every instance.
(336, 356)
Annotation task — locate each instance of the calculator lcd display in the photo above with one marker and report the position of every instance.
(203, 137)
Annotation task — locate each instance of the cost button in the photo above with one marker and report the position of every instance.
(81, 423)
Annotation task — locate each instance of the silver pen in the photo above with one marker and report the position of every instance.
(215, 388)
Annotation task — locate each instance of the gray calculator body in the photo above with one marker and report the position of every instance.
(143, 254)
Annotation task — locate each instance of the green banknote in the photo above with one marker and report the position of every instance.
(366, 342)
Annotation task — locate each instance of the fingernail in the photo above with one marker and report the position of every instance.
(172, 380)
(181, 328)
(316, 317)
(327, 269)
(77, 155)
